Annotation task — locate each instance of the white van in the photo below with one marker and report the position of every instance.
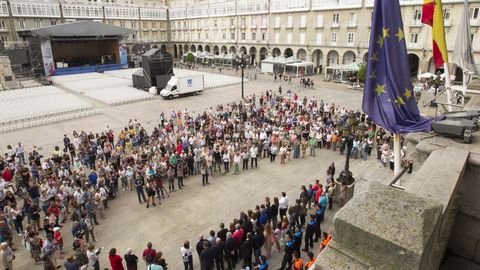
(179, 86)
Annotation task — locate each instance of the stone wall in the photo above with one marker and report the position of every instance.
(387, 228)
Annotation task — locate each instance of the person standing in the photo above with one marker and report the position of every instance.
(311, 260)
(6, 255)
(115, 260)
(187, 256)
(258, 241)
(204, 172)
(131, 260)
(93, 259)
(309, 231)
(283, 205)
(269, 239)
(247, 250)
(150, 188)
(219, 253)
(297, 262)
(149, 254)
(236, 163)
(206, 257)
(253, 156)
(287, 256)
(139, 188)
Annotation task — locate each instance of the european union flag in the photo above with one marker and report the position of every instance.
(388, 97)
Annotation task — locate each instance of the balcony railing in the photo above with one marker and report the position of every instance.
(288, 5)
(336, 4)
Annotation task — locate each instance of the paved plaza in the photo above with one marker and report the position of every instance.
(197, 209)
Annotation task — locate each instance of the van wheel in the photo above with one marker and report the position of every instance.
(170, 97)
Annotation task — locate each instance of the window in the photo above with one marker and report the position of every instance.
(319, 38)
(4, 39)
(264, 21)
(446, 14)
(417, 15)
(263, 36)
(303, 21)
(277, 38)
(199, 38)
(38, 23)
(232, 21)
(289, 38)
(243, 22)
(289, 21)
(302, 38)
(319, 20)
(351, 38)
(53, 22)
(243, 36)
(2, 24)
(133, 24)
(413, 38)
(224, 36)
(335, 18)
(334, 38)
(254, 21)
(472, 36)
(353, 19)
(21, 24)
(232, 35)
(122, 23)
(474, 13)
(215, 23)
(254, 36)
(206, 35)
(277, 22)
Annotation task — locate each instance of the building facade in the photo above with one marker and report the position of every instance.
(325, 32)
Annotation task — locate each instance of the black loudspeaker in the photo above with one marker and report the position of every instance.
(155, 63)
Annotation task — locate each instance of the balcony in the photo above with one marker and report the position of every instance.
(416, 23)
(336, 4)
(278, 6)
(447, 23)
(474, 22)
(352, 25)
(413, 45)
(334, 25)
(302, 26)
(289, 26)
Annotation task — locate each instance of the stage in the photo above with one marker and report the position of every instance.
(78, 47)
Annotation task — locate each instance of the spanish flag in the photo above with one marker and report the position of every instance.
(432, 14)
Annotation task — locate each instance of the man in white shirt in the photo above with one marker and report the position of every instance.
(283, 205)
(253, 156)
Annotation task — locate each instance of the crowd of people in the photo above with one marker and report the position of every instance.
(78, 179)
(249, 240)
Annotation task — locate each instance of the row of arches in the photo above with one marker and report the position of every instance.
(317, 55)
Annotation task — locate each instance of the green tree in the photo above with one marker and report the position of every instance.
(362, 72)
(190, 58)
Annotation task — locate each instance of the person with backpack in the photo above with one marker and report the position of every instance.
(187, 256)
(149, 254)
(87, 226)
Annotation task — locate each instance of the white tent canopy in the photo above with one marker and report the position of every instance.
(340, 71)
(277, 64)
(300, 68)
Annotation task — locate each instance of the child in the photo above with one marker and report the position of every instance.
(58, 240)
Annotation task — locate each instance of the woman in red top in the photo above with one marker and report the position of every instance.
(7, 174)
(115, 260)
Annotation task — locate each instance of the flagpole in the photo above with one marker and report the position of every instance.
(448, 86)
(397, 155)
(464, 86)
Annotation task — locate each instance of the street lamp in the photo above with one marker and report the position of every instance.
(242, 65)
(346, 176)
